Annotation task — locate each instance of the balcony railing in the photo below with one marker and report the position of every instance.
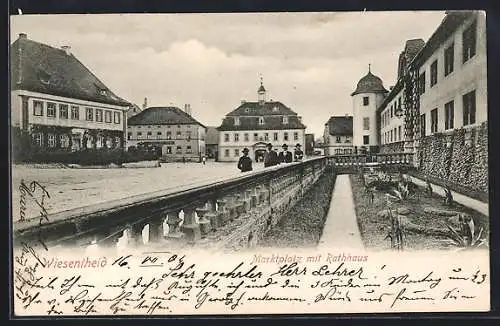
(233, 213)
(363, 159)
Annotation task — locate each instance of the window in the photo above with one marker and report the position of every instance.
(179, 149)
(469, 108)
(149, 134)
(261, 120)
(158, 135)
(139, 134)
(51, 110)
(255, 136)
(337, 139)
(63, 111)
(117, 118)
(38, 108)
(75, 113)
(366, 100)
(51, 140)
(169, 150)
(89, 114)
(188, 149)
(399, 102)
(285, 136)
(236, 121)
(421, 83)
(391, 133)
(392, 110)
(366, 123)
(434, 120)
(99, 142)
(366, 140)
(434, 73)
(64, 140)
(469, 42)
(236, 137)
(285, 119)
(226, 153)
(449, 58)
(188, 133)
(275, 136)
(98, 115)
(399, 133)
(422, 125)
(295, 136)
(245, 137)
(129, 136)
(347, 139)
(38, 138)
(169, 135)
(108, 117)
(226, 137)
(266, 136)
(178, 135)
(236, 152)
(449, 115)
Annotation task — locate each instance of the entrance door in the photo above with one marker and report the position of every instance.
(259, 155)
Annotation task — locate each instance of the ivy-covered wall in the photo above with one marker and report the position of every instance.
(397, 147)
(460, 157)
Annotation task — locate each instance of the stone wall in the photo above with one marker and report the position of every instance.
(460, 157)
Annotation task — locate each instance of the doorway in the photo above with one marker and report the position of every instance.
(259, 155)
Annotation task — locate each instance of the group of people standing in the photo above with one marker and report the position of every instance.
(271, 158)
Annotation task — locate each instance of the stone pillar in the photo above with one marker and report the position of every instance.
(173, 225)
(155, 230)
(203, 221)
(190, 228)
(135, 234)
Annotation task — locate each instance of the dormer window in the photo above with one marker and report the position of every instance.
(247, 110)
(261, 120)
(44, 77)
(276, 109)
(285, 119)
(103, 92)
(236, 121)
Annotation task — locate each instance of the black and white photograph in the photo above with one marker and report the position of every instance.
(312, 149)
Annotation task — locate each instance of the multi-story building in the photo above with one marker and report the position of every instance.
(59, 102)
(338, 136)
(390, 113)
(212, 142)
(170, 130)
(255, 124)
(368, 96)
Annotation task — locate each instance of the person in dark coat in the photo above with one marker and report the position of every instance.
(245, 162)
(285, 156)
(270, 158)
(298, 153)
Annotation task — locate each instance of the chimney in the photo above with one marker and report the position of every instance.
(187, 108)
(145, 104)
(23, 35)
(66, 49)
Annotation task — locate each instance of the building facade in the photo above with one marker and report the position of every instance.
(60, 103)
(255, 124)
(169, 130)
(338, 136)
(367, 97)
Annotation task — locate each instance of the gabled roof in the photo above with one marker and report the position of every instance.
(257, 109)
(340, 126)
(412, 47)
(162, 116)
(212, 137)
(38, 67)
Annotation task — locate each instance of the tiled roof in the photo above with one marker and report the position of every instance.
(249, 113)
(412, 47)
(369, 84)
(133, 110)
(212, 137)
(340, 126)
(162, 116)
(257, 109)
(41, 68)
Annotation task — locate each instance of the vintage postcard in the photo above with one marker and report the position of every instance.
(249, 163)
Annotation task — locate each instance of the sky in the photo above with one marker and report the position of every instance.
(311, 62)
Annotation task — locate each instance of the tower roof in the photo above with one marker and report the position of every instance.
(370, 84)
(261, 88)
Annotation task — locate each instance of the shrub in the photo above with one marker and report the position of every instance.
(466, 236)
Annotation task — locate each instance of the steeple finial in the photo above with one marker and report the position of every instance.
(369, 67)
(261, 80)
